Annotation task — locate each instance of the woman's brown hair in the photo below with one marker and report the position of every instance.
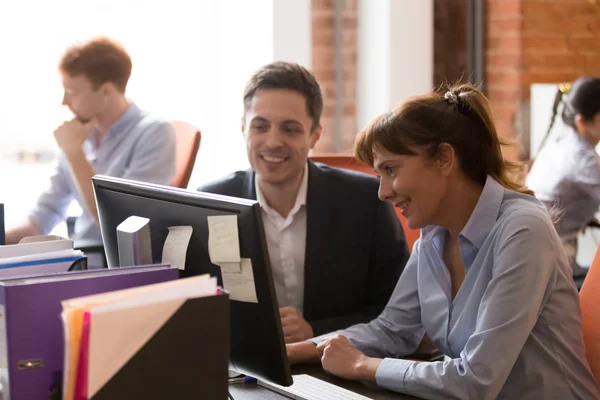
(459, 115)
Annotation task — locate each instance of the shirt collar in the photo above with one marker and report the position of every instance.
(300, 196)
(577, 137)
(482, 219)
(130, 115)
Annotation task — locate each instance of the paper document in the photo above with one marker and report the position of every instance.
(176, 245)
(41, 238)
(28, 248)
(223, 239)
(240, 285)
(231, 267)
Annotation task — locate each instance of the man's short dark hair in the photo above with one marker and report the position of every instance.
(291, 76)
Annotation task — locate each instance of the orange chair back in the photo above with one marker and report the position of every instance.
(590, 310)
(348, 161)
(187, 139)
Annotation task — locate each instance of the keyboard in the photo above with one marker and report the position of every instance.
(306, 387)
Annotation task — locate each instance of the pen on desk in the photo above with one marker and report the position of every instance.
(242, 379)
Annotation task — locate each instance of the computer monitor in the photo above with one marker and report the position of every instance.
(257, 345)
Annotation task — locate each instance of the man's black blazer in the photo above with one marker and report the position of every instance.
(355, 245)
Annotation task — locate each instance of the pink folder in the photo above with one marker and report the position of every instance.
(82, 366)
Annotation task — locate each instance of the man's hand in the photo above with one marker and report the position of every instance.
(295, 328)
(340, 358)
(71, 135)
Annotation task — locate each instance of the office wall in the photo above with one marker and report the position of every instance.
(395, 54)
(449, 41)
(366, 31)
(190, 62)
(292, 35)
(338, 135)
(373, 69)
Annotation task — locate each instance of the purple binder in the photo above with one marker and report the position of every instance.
(32, 343)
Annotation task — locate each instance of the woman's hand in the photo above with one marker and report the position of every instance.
(302, 352)
(340, 358)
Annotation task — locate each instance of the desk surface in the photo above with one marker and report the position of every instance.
(251, 391)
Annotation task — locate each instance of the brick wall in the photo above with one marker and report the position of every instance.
(527, 41)
(449, 41)
(561, 40)
(324, 68)
(449, 59)
(503, 64)
(536, 41)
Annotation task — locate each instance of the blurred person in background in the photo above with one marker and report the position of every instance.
(566, 172)
(109, 135)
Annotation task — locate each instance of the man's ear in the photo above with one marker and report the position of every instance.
(315, 136)
(446, 158)
(108, 88)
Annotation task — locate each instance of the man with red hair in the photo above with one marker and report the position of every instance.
(109, 135)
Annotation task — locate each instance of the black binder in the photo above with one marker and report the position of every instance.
(187, 358)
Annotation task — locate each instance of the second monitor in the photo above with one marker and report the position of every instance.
(257, 345)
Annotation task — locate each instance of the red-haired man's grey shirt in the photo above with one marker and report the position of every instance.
(138, 146)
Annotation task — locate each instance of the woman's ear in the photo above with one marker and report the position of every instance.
(580, 123)
(446, 158)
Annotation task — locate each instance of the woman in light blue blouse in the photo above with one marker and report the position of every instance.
(488, 280)
(566, 171)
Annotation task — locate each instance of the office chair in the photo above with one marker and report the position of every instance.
(593, 224)
(187, 144)
(347, 161)
(590, 298)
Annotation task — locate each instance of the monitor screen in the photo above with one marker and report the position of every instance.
(257, 345)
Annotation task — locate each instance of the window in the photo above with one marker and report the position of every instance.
(191, 60)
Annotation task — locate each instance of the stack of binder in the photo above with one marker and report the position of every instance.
(31, 332)
(40, 254)
(164, 341)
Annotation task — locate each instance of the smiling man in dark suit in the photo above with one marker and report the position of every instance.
(336, 250)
